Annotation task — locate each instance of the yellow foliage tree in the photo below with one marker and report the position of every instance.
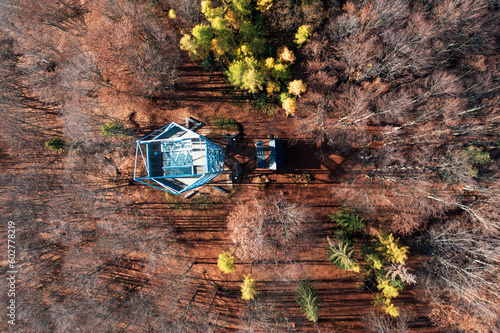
(391, 310)
(297, 87)
(285, 55)
(233, 19)
(187, 43)
(218, 23)
(172, 14)
(374, 261)
(226, 262)
(244, 7)
(290, 106)
(272, 87)
(209, 11)
(390, 248)
(217, 49)
(303, 33)
(269, 63)
(264, 5)
(281, 71)
(203, 35)
(385, 303)
(253, 78)
(243, 51)
(387, 289)
(248, 291)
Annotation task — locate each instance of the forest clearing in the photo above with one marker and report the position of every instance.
(383, 218)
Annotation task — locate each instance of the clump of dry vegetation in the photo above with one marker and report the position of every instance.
(263, 225)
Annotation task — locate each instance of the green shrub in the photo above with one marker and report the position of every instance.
(55, 143)
(261, 103)
(204, 203)
(478, 155)
(172, 201)
(347, 220)
(113, 129)
(343, 236)
(302, 178)
(226, 124)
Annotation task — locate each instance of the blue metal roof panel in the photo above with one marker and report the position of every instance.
(261, 155)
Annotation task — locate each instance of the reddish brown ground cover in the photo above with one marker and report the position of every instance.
(99, 252)
(203, 233)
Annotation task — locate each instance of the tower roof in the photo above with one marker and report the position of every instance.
(176, 159)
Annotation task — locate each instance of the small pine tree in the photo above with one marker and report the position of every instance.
(391, 249)
(56, 143)
(112, 128)
(226, 262)
(341, 255)
(308, 300)
(347, 220)
(478, 155)
(257, 46)
(248, 32)
(248, 291)
(344, 236)
(303, 33)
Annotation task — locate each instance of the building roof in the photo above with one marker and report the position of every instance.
(270, 154)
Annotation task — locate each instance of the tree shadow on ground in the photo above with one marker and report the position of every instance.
(299, 154)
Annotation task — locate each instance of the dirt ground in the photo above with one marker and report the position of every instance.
(203, 233)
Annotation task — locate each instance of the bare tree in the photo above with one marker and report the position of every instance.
(461, 276)
(263, 225)
(382, 323)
